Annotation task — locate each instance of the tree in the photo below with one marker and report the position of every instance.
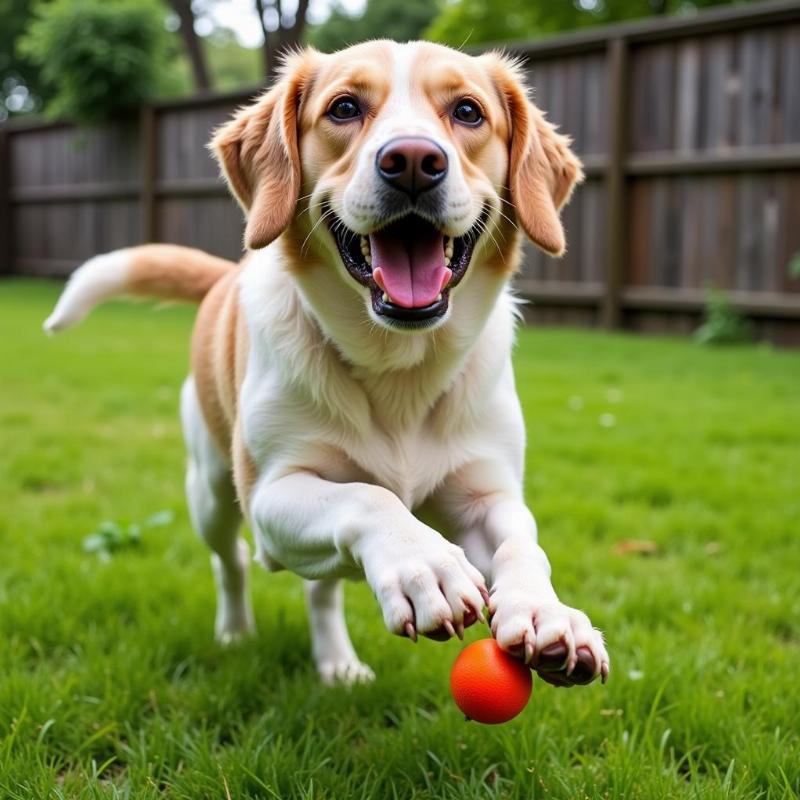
(191, 41)
(281, 30)
(402, 20)
(21, 87)
(476, 21)
(232, 65)
(99, 57)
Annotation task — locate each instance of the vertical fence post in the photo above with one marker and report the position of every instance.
(6, 216)
(149, 167)
(610, 312)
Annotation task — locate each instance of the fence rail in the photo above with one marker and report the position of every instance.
(689, 130)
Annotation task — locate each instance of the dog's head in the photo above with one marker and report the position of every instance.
(407, 164)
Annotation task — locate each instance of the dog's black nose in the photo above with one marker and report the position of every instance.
(412, 164)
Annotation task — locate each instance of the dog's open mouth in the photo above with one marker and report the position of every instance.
(409, 266)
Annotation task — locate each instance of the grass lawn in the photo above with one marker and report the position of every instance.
(111, 684)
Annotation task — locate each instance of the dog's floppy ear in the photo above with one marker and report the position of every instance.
(542, 169)
(258, 153)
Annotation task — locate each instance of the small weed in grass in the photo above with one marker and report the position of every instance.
(111, 537)
(723, 324)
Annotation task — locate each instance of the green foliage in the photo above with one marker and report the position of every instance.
(723, 325)
(111, 537)
(111, 685)
(794, 266)
(231, 65)
(100, 58)
(476, 21)
(20, 84)
(382, 19)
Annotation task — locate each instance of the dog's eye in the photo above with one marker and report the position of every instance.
(468, 113)
(344, 108)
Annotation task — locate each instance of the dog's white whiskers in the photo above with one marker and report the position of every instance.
(508, 219)
(323, 216)
(483, 228)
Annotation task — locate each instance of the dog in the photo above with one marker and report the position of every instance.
(351, 391)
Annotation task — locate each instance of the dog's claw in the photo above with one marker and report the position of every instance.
(410, 631)
(529, 650)
(460, 630)
(571, 662)
(448, 626)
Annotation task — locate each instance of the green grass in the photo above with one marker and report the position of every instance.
(111, 685)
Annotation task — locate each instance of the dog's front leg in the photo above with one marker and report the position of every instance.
(321, 529)
(527, 616)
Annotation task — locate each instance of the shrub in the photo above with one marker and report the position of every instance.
(101, 58)
(794, 267)
(723, 323)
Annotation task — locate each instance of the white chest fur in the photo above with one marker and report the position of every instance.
(303, 406)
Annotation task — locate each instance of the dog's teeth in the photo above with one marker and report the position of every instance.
(385, 298)
(367, 258)
(448, 248)
(438, 297)
(447, 260)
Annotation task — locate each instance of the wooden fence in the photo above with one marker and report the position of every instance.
(689, 129)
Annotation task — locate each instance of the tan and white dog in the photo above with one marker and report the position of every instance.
(352, 393)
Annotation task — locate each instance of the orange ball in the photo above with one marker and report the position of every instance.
(488, 684)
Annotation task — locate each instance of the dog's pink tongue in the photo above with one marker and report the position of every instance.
(409, 267)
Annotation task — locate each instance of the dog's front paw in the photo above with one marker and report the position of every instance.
(344, 672)
(559, 642)
(430, 588)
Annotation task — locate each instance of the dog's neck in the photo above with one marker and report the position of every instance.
(320, 322)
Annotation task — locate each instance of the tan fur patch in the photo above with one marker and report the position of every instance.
(217, 346)
(174, 273)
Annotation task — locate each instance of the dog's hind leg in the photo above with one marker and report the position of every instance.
(331, 647)
(216, 517)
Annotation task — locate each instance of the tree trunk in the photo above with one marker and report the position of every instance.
(276, 42)
(183, 8)
(265, 58)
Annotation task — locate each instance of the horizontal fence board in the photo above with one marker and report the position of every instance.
(74, 192)
(192, 187)
(741, 159)
(656, 298)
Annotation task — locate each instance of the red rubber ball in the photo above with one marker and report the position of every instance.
(489, 685)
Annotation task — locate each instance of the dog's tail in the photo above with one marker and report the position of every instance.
(163, 271)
